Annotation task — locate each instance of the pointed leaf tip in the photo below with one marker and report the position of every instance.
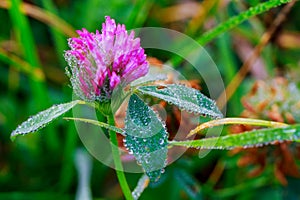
(40, 120)
(254, 138)
(185, 98)
(146, 137)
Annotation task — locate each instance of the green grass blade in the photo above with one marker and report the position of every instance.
(249, 139)
(231, 23)
(236, 120)
(97, 123)
(234, 21)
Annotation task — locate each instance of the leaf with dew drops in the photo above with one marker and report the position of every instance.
(186, 98)
(146, 137)
(256, 138)
(40, 120)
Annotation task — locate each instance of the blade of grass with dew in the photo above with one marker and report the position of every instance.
(231, 23)
(234, 21)
(255, 138)
(97, 123)
(227, 121)
(259, 29)
(38, 88)
(264, 40)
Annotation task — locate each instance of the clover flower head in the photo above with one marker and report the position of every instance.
(98, 62)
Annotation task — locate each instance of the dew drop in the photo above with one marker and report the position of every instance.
(161, 141)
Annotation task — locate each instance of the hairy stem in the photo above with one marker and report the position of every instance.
(117, 160)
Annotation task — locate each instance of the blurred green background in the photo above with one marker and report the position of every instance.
(33, 37)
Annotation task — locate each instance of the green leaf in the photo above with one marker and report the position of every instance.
(186, 98)
(43, 118)
(256, 138)
(146, 137)
(236, 20)
(97, 123)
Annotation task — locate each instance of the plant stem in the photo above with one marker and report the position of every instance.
(117, 160)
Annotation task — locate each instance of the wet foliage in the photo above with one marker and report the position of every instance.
(255, 46)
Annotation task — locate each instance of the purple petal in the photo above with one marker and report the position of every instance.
(114, 80)
(98, 62)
